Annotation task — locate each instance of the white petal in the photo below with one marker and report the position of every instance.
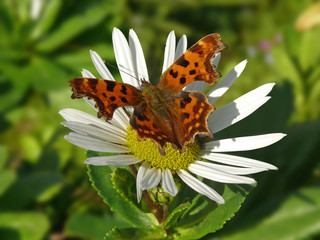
(196, 86)
(226, 82)
(112, 160)
(93, 144)
(87, 73)
(243, 143)
(218, 176)
(100, 66)
(96, 132)
(216, 59)
(169, 51)
(199, 186)
(151, 178)
(181, 47)
(168, 183)
(138, 56)
(124, 58)
(120, 119)
(233, 112)
(231, 170)
(141, 172)
(236, 160)
(75, 115)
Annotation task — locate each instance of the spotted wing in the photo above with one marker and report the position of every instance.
(191, 117)
(194, 65)
(108, 95)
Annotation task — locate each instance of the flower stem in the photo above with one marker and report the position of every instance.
(156, 207)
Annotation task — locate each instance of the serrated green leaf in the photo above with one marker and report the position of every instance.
(210, 216)
(101, 178)
(28, 189)
(175, 215)
(75, 25)
(25, 226)
(136, 233)
(124, 182)
(7, 177)
(293, 216)
(92, 227)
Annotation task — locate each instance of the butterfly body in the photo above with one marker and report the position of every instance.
(163, 113)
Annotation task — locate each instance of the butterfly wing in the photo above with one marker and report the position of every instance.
(190, 116)
(153, 125)
(194, 65)
(108, 95)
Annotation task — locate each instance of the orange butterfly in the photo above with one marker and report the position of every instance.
(163, 113)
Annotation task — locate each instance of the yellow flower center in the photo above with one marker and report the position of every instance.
(148, 151)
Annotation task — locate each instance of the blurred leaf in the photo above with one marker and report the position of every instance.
(31, 148)
(7, 177)
(30, 188)
(137, 233)
(309, 18)
(47, 19)
(43, 74)
(90, 226)
(294, 216)
(3, 156)
(205, 216)
(310, 51)
(92, 15)
(27, 226)
(101, 178)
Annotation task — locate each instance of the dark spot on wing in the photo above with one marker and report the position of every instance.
(104, 95)
(183, 80)
(124, 100)
(196, 64)
(124, 90)
(186, 115)
(182, 105)
(110, 86)
(191, 72)
(173, 74)
(112, 99)
(182, 62)
(187, 99)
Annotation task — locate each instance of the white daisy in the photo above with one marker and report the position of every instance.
(116, 135)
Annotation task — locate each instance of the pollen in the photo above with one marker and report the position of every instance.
(148, 151)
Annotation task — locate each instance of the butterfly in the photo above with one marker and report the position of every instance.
(164, 113)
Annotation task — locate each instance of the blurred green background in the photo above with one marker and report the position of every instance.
(44, 189)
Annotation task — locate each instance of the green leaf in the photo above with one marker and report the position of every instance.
(309, 51)
(176, 214)
(102, 181)
(44, 75)
(47, 19)
(207, 216)
(137, 233)
(23, 226)
(31, 148)
(293, 216)
(35, 187)
(3, 156)
(7, 177)
(92, 227)
(75, 25)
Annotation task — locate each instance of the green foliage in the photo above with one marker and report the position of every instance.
(44, 189)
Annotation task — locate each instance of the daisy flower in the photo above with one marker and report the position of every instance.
(208, 161)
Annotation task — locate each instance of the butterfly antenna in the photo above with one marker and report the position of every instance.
(120, 70)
